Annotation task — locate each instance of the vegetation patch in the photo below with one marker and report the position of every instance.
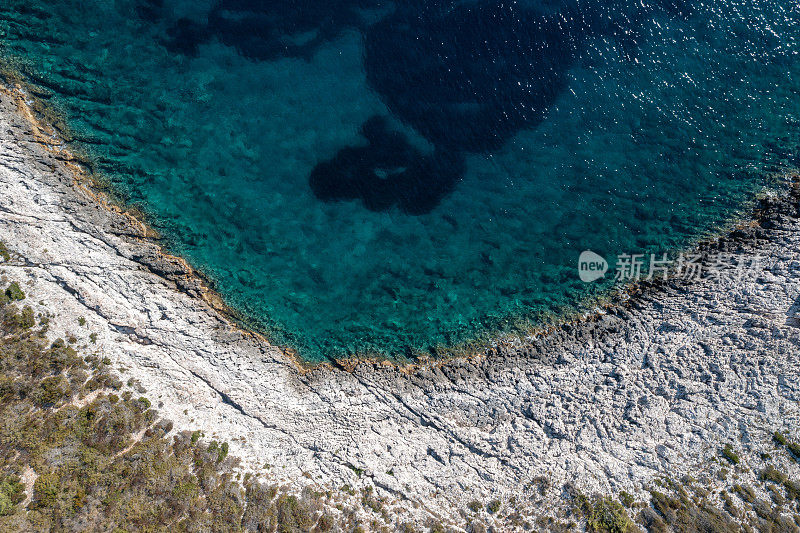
(475, 506)
(773, 475)
(793, 447)
(112, 464)
(730, 455)
(493, 506)
(687, 508)
(603, 514)
(14, 292)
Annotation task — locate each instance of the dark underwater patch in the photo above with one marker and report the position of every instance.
(150, 10)
(185, 36)
(265, 30)
(467, 79)
(466, 75)
(387, 172)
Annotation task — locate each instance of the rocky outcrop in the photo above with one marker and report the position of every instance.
(653, 385)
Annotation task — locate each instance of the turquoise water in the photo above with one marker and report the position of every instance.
(368, 177)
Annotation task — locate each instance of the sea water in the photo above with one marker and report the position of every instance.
(364, 177)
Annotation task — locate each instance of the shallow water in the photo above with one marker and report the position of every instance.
(364, 177)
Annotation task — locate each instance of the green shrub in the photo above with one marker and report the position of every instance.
(27, 319)
(223, 452)
(5, 255)
(20, 321)
(607, 516)
(627, 499)
(681, 512)
(770, 473)
(475, 506)
(186, 490)
(795, 449)
(325, 523)
(437, 527)
(779, 438)
(745, 492)
(12, 492)
(51, 390)
(730, 455)
(293, 514)
(773, 475)
(14, 292)
(45, 489)
(792, 489)
(494, 506)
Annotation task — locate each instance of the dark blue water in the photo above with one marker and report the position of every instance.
(403, 178)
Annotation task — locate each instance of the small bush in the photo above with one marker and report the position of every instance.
(45, 489)
(730, 455)
(493, 506)
(795, 449)
(770, 473)
(23, 320)
(437, 527)
(745, 492)
(779, 438)
(475, 506)
(51, 390)
(627, 499)
(773, 475)
(12, 492)
(186, 490)
(325, 523)
(607, 516)
(14, 292)
(223, 452)
(293, 513)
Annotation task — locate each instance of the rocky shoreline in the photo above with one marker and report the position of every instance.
(652, 386)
